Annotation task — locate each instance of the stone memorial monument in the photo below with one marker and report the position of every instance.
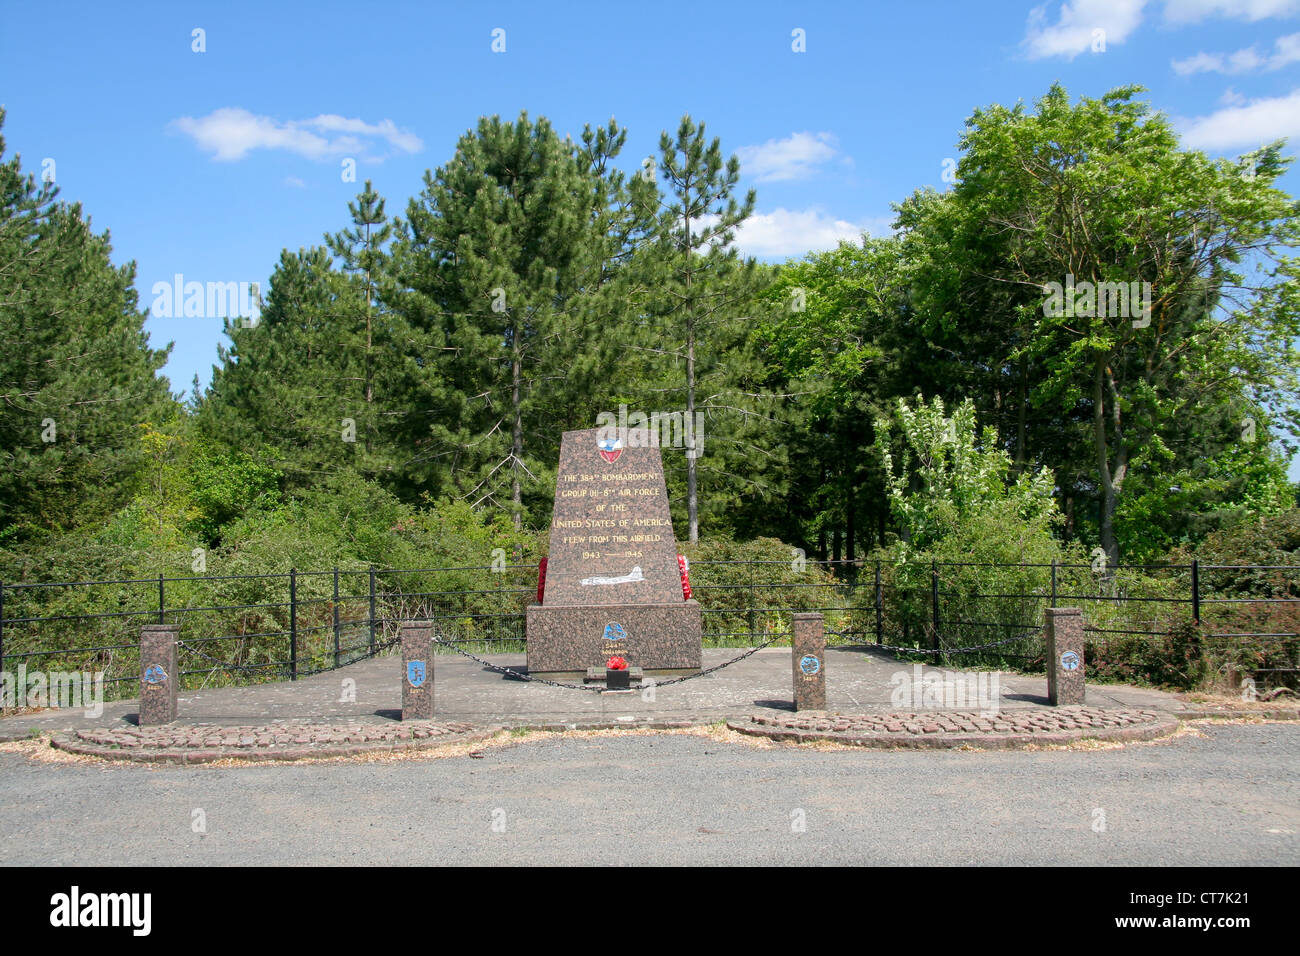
(613, 586)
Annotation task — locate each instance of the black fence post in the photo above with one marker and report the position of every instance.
(336, 617)
(1053, 604)
(372, 609)
(162, 602)
(879, 620)
(1196, 590)
(293, 624)
(934, 608)
(749, 616)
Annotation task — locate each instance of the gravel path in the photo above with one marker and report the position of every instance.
(1227, 794)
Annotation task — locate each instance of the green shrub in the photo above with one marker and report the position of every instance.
(755, 587)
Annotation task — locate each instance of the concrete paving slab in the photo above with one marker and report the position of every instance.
(859, 679)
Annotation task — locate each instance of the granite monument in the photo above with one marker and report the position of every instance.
(613, 586)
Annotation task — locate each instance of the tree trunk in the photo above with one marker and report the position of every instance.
(692, 502)
(1021, 456)
(517, 431)
(370, 387)
(849, 542)
(1110, 485)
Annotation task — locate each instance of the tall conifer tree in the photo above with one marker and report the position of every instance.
(77, 375)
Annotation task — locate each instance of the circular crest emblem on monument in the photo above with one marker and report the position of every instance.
(610, 448)
(809, 665)
(1070, 660)
(154, 674)
(614, 631)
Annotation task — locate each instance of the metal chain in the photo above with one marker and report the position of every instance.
(957, 650)
(718, 667)
(515, 674)
(224, 664)
(262, 667)
(532, 679)
(542, 680)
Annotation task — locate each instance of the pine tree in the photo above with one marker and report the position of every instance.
(700, 287)
(293, 381)
(506, 263)
(361, 250)
(77, 375)
(329, 375)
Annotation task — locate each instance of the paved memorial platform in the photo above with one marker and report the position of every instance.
(365, 699)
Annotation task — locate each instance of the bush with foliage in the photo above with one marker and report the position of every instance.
(967, 515)
(755, 587)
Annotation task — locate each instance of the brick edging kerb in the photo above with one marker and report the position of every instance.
(62, 740)
(986, 741)
(264, 755)
(1286, 713)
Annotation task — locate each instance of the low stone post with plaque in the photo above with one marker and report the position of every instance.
(613, 585)
(158, 674)
(1063, 630)
(417, 669)
(808, 655)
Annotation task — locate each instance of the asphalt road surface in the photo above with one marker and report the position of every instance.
(1228, 797)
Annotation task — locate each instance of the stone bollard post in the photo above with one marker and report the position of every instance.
(1063, 628)
(158, 674)
(417, 670)
(808, 656)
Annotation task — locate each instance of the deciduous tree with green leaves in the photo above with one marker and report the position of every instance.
(833, 344)
(1098, 195)
(946, 474)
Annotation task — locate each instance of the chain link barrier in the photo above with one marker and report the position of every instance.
(227, 665)
(533, 679)
(510, 673)
(529, 678)
(952, 650)
(717, 667)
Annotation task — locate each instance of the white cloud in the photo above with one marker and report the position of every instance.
(295, 182)
(402, 139)
(1199, 63)
(792, 232)
(1243, 61)
(1072, 33)
(231, 133)
(1286, 50)
(1194, 11)
(1249, 125)
(795, 157)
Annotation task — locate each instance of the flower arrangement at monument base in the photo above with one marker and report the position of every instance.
(617, 676)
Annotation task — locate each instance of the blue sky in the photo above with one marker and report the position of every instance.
(208, 163)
